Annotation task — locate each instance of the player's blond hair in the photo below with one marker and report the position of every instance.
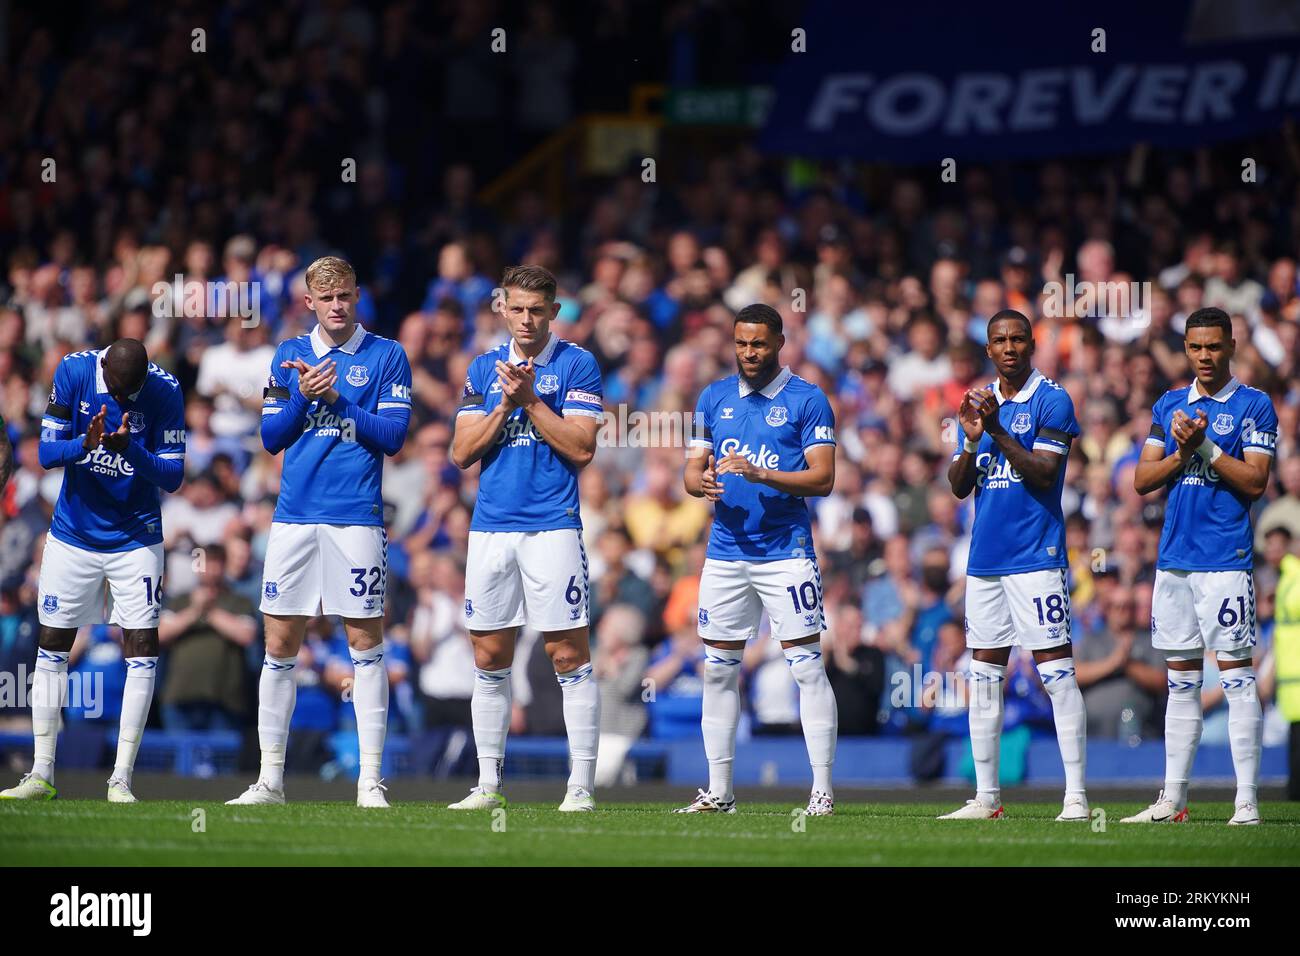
(330, 272)
(530, 279)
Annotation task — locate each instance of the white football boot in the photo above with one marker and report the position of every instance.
(577, 800)
(820, 804)
(1162, 811)
(1247, 815)
(1075, 809)
(706, 802)
(119, 791)
(974, 810)
(480, 799)
(259, 794)
(370, 793)
(32, 787)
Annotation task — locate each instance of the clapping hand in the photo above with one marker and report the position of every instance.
(517, 383)
(95, 432)
(316, 381)
(709, 483)
(117, 441)
(1189, 432)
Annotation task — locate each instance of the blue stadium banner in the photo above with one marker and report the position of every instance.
(918, 81)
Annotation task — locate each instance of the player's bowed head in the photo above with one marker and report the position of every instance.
(125, 365)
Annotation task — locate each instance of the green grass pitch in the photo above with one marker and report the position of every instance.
(162, 832)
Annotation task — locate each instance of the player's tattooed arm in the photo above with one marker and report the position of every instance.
(1037, 469)
(815, 481)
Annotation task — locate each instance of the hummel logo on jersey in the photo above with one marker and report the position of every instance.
(1021, 423)
(85, 408)
(1222, 424)
(777, 415)
(761, 458)
(823, 433)
(727, 414)
(402, 391)
(358, 375)
(174, 436)
(494, 388)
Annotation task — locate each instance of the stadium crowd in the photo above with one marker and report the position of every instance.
(885, 279)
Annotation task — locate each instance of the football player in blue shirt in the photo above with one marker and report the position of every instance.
(338, 401)
(530, 412)
(1211, 445)
(764, 441)
(1015, 436)
(106, 529)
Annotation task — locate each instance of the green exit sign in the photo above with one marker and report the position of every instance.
(718, 105)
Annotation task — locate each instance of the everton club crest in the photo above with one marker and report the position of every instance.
(777, 415)
(548, 384)
(358, 375)
(1222, 424)
(1021, 423)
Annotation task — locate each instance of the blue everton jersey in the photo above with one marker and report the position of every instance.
(104, 505)
(772, 428)
(1019, 528)
(1207, 522)
(524, 484)
(333, 465)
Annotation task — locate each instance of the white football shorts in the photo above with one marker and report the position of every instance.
(79, 587)
(1031, 609)
(734, 593)
(538, 578)
(1199, 611)
(314, 569)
